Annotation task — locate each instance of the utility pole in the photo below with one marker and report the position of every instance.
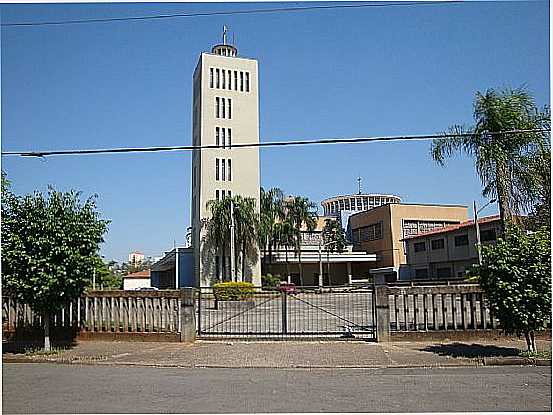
(320, 266)
(232, 264)
(478, 246)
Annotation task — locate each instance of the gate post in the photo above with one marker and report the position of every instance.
(382, 313)
(284, 312)
(188, 313)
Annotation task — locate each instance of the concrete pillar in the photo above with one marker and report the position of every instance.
(349, 273)
(187, 315)
(382, 313)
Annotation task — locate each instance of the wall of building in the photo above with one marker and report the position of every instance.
(393, 219)
(134, 283)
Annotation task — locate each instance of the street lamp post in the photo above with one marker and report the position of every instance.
(321, 261)
(478, 243)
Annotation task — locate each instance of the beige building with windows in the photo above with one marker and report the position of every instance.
(225, 113)
(450, 251)
(381, 231)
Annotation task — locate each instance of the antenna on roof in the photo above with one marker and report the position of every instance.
(224, 34)
(359, 185)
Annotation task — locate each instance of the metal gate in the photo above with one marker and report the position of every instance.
(309, 312)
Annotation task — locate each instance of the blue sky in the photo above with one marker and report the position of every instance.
(327, 73)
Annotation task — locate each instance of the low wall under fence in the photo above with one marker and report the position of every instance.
(167, 315)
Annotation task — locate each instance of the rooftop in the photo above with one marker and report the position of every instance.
(139, 274)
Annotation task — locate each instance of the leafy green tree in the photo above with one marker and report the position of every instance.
(516, 276)
(217, 236)
(284, 236)
(105, 276)
(302, 214)
(502, 160)
(334, 240)
(50, 247)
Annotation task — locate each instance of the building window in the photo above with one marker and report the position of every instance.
(443, 272)
(211, 77)
(488, 235)
(229, 170)
(462, 240)
(229, 76)
(419, 246)
(247, 82)
(229, 193)
(216, 194)
(372, 232)
(229, 108)
(217, 74)
(421, 273)
(223, 137)
(223, 175)
(217, 107)
(216, 169)
(223, 115)
(229, 138)
(223, 73)
(241, 81)
(437, 244)
(217, 136)
(236, 80)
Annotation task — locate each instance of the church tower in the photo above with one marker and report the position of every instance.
(225, 113)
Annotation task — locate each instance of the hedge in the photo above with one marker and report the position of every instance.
(233, 291)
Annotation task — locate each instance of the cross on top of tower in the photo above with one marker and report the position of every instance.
(359, 185)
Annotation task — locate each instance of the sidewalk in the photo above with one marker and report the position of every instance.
(291, 354)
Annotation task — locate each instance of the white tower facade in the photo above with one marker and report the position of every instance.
(225, 113)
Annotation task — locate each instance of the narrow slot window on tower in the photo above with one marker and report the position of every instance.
(216, 169)
(223, 175)
(217, 74)
(229, 170)
(229, 193)
(229, 78)
(241, 81)
(217, 136)
(223, 137)
(216, 107)
(223, 82)
(229, 138)
(211, 77)
(247, 82)
(229, 108)
(236, 80)
(223, 115)
(216, 194)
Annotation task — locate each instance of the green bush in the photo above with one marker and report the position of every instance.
(270, 281)
(233, 291)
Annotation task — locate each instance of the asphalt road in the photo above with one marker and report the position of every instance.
(50, 388)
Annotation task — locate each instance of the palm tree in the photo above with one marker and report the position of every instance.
(334, 239)
(500, 159)
(271, 212)
(285, 238)
(217, 236)
(303, 215)
(246, 223)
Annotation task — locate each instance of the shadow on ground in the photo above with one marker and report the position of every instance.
(21, 347)
(471, 350)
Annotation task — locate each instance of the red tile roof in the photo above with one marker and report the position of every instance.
(139, 274)
(455, 227)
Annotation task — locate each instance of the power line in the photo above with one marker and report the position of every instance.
(322, 141)
(225, 13)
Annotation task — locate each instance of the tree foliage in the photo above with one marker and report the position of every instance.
(334, 240)
(50, 247)
(516, 277)
(510, 166)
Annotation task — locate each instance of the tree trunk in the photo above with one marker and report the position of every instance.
(223, 261)
(301, 267)
(287, 265)
(328, 267)
(243, 261)
(47, 332)
(528, 341)
(533, 341)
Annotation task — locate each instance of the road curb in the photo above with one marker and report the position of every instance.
(515, 361)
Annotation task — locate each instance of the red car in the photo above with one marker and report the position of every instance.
(288, 288)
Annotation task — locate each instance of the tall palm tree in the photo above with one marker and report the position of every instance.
(246, 223)
(271, 212)
(500, 159)
(303, 216)
(334, 240)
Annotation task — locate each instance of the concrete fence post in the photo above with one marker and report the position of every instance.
(382, 313)
(188, 315)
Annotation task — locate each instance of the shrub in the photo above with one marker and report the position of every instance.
(233, 291)
(270, 281)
